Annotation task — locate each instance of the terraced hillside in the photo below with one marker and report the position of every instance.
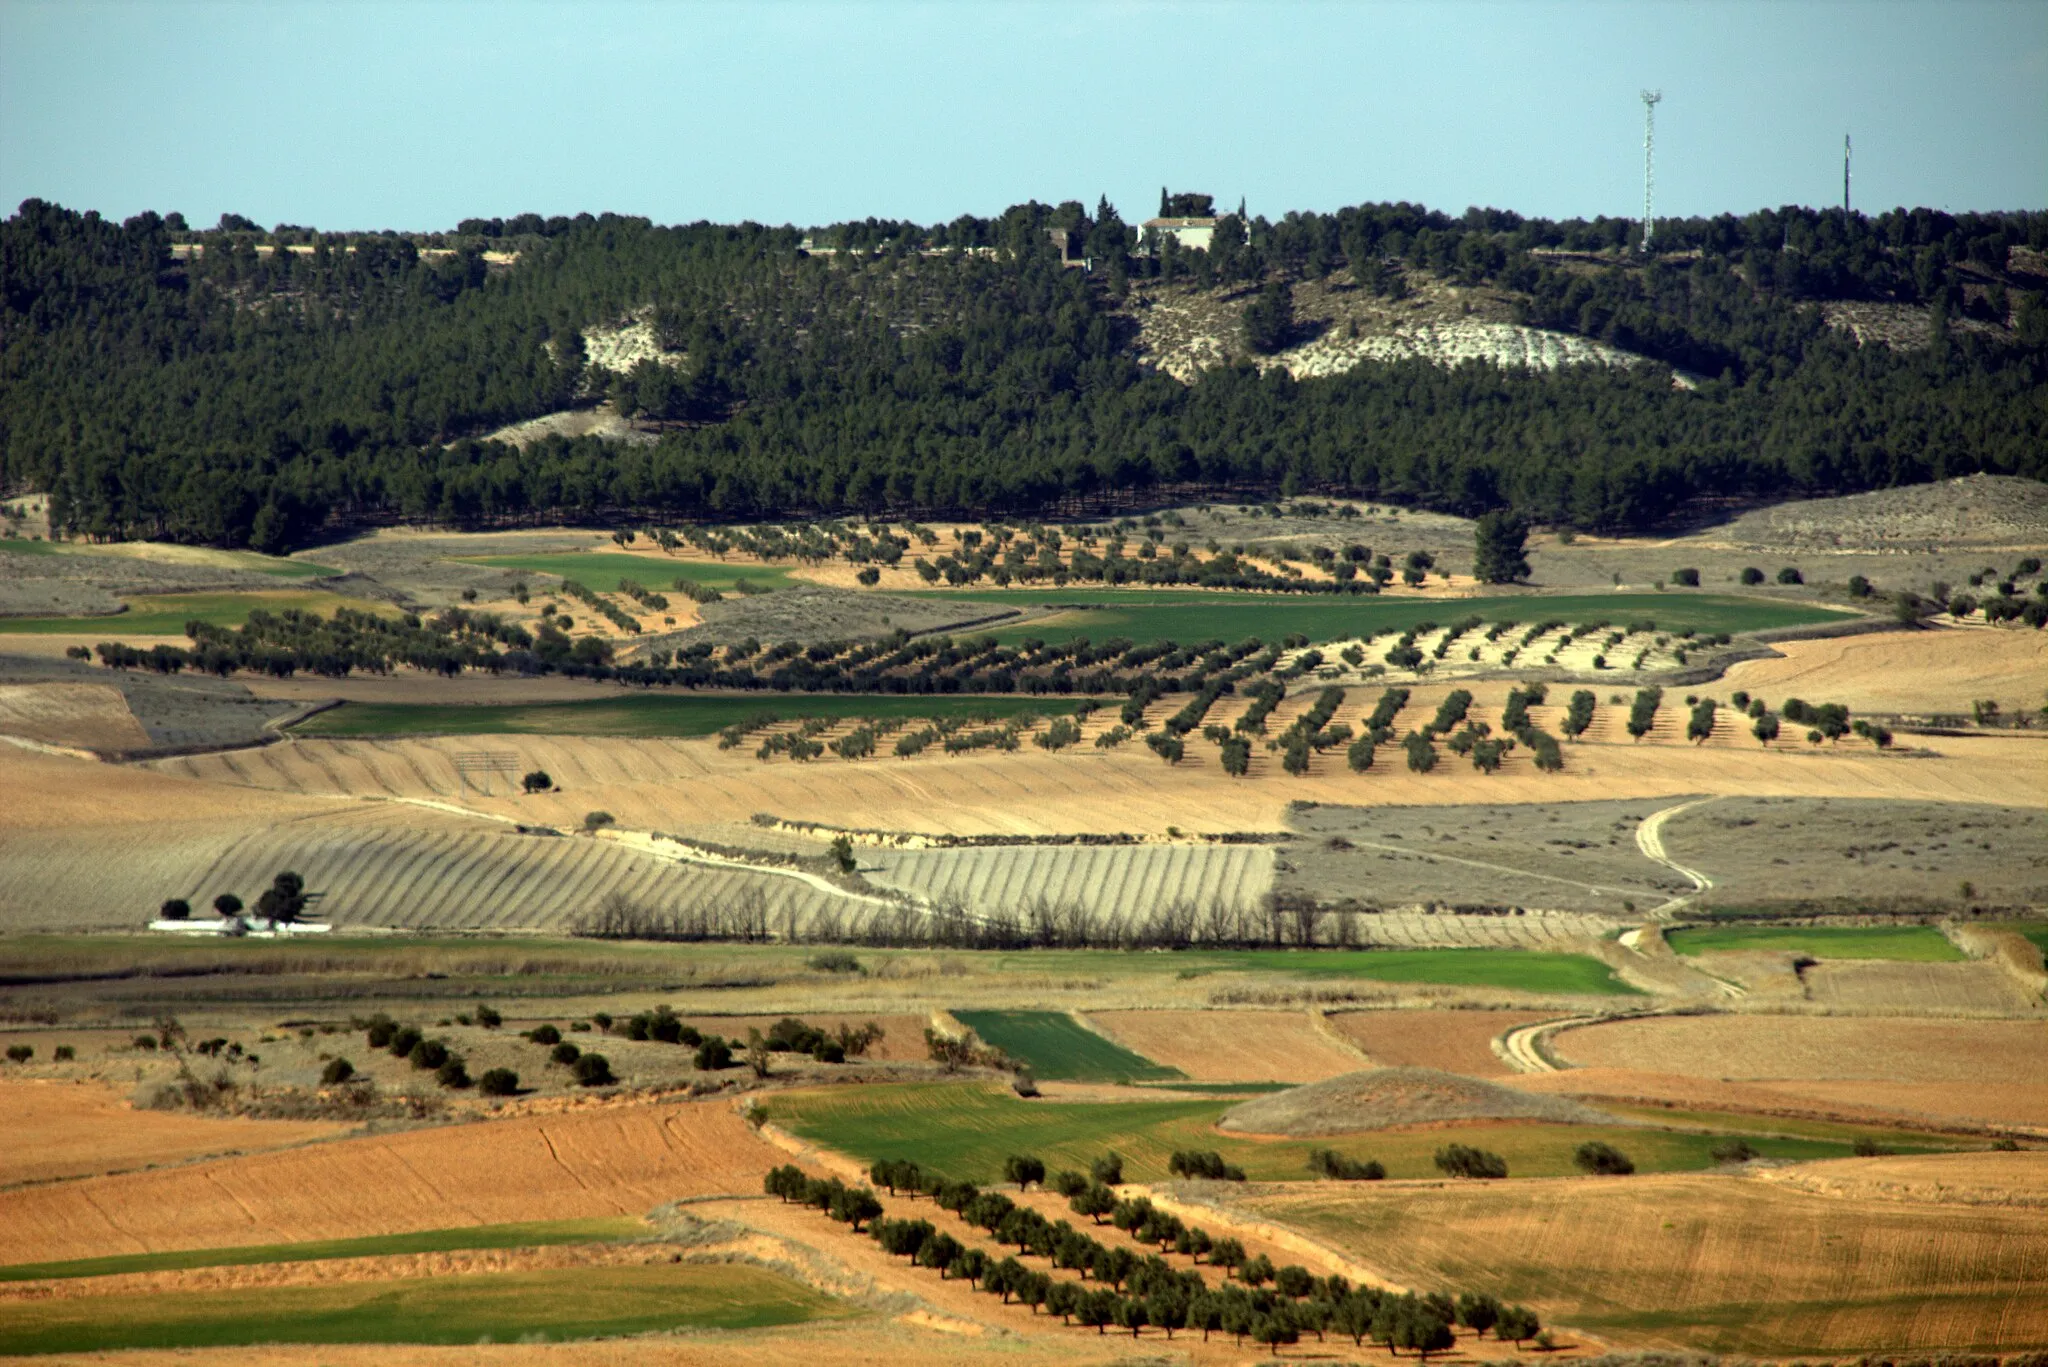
(398, 867)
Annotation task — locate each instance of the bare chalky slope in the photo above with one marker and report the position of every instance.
(1385, 1097)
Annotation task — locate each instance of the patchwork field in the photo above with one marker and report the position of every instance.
(166, 614)
(1060, 1049)
(1706, 1262)
(92, 715)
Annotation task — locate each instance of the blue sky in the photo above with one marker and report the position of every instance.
(370, 115)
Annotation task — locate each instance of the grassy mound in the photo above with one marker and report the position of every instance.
(1383, 1098)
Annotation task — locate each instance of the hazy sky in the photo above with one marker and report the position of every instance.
(369, 115)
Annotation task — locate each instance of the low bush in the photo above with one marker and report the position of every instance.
(594, 1070)
(498, 1082)
(1331, 1164)
(337, 1071)
(1602, 1159)
(1459, 1160)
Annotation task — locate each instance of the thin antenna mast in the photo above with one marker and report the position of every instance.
(1650, 98)
(1845, 174)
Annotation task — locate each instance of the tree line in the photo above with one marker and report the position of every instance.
(239, 398)
(1117, 1286)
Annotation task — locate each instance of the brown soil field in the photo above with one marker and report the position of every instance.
(1818, 1048)
(1454, 1041)
(1708, 1262)
(325, 1271)
(1383, 1098)
(615, 1159)
(73, 1129)
(851, 1343)
(1970, 1104)
(668, 784)
(93, 716)
(1916, 672)
(1231, 1046)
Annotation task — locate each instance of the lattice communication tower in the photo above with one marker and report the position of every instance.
(1650, 98)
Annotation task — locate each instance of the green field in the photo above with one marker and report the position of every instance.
(1530, 970)
(537, 1235)
(1181, 615)
(966, 1130)
(1059, 1049)
(652, 714)
(512, 1307)
(165, 614)
(1915, 944)
(602, 570)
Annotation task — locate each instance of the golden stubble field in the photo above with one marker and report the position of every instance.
(1713, 1262)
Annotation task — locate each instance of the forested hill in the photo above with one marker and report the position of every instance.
(240, 387)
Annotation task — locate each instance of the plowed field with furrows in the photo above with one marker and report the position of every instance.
(1109, 880)
(1545, 930)
(609, 1160)
(402, 871)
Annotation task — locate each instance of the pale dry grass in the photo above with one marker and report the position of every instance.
(1231, 1046)
(73, 1129)
(1966, 1179)
(93, 716)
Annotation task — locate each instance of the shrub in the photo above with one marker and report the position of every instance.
(1686, 578)
(564, 1053)
(594, 1070)
(712, 1053)
(1752, 575)
(20, 1053)
(537, 781)
(1603, 1159)
(1789, 575)
(544, 1034)
(836, 961)
(64, 1053)
(427, 1055)
(1329, 1163)
(146, 1043)
(174, 909)
(1733, 1151)
(337, 1071)
(488, 1017)
(1108, 1169)
(1205, 1164)
(498, 1082)
(403, 1041)
(453, 1074)
(1459, 1160)
(595, 820)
